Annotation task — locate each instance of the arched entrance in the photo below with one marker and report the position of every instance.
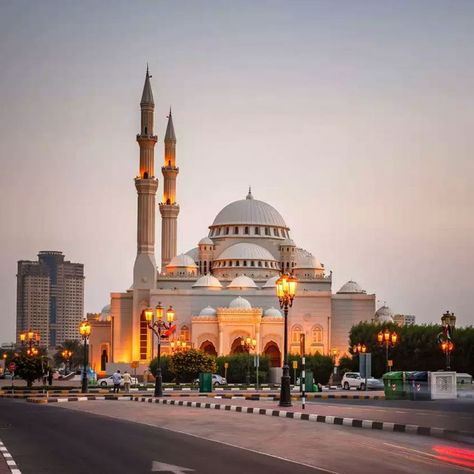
(208, 348)
(237, 347)
(271, 350)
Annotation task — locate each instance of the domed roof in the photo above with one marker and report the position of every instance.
(182, 260)
(242, 281)
(245, 251)
(272, 312)
(105, 313)
(206, 241)
(351, 287)
(208, 311)
(304, 259)
(249, 211)
(207, 281)
(240, 303)
(271, 282)
(384, 315)
(194, 254)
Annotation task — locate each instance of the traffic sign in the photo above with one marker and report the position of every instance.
(295, 364)
(134, 364)
(12, 366)
(226, 365)
(390, 363)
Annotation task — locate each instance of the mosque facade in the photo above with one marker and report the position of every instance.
(222, 290)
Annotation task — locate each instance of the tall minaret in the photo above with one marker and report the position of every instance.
(168, 208)
(144, 270)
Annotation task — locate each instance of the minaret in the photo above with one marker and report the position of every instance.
(144, 270)
(168, 208)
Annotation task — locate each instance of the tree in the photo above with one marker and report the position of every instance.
(30, 368)
(186, 366)
(320, 365)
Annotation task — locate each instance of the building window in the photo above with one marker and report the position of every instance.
(236, 230)
(143, 337)
(257, 230)
(295, 334)
(252, 263)
(246, 231)
(245, 263)
(218, 231)
(259, 264)
(226, 231)
(276, 233)
(267, 230)
(317, 334)
(266, 264)
(237, 263)
(184, 333)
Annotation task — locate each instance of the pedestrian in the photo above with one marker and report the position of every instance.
(127, 380)
(117, 379)
(50, 376)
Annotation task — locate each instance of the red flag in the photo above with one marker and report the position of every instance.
(170, 331)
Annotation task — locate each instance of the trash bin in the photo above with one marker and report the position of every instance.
(395, 386)
(205, 382)
(419, 387)
(308, 381)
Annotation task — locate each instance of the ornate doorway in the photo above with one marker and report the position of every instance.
(208, 348)
(271, 350)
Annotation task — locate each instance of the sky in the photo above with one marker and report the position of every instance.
(353, 119)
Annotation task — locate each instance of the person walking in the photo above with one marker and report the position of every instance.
(127, 380)
(117, 379)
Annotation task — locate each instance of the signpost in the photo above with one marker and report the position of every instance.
(256, 362)
(134, 366)
(365, 366)
(295, 366)
(226, 366)
(303, 371)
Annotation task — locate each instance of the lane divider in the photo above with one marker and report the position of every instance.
(9, 459)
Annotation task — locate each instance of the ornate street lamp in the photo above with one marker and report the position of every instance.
(179, 346)
(286, 291)
(31, 339)
(159, 327)
(387, 339)
(66, 354)
(447, 346)
(248, 344)
(85, 332)
(358, 348)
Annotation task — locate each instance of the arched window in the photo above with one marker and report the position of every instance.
(226, 231)
(296, 331)
(236, 230)
(143, 337)
(246, 231)
(184, 334)
(317, 334)
(267, 230)
(257, 230)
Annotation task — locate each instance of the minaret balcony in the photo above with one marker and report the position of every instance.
(147, 138)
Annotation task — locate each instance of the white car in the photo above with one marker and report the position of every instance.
(108, 382)
(216, 380)
(354, 380)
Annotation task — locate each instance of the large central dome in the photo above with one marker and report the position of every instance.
(249, 211)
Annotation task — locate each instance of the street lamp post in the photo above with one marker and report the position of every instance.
(159, 327)
(286, 291)
(67, 354)
(85, 332)
(248, 345)
(31, 340)
(447, 347)
(387, 339)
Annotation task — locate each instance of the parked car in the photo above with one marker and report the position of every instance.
(108, 382)
(354, 380)
(6, 375)
(216, 380)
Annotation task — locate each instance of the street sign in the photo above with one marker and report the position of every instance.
(295, 364)
(134, 364)
(226, 365)
(12, 366)
(390, 363)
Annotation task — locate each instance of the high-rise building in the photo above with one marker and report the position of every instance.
(50, 298)
(404, 319)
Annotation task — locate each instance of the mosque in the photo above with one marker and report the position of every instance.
(222, 290)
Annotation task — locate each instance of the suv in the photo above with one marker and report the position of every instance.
(353, 379)
(216, 380)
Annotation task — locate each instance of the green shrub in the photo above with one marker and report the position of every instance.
(320, 365)
(237, 370)
(186, 366)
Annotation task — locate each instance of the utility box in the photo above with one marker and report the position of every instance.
(205, 382)
(443, 386)
(395, 386)
(308, 381)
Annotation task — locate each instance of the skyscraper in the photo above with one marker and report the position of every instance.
(50, 298)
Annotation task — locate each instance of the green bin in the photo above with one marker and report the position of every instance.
(395, 386)
(205, 382)
(308, 381)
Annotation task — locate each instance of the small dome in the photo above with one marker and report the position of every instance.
(272, 312)
(182, 260)
(271, 282)
(208, 311)
(351, 287)
(242, 281)
(304, 259)
(193, 253)
(105, 313)
(288, 243)
(207, 281)
(240, 303)
(245, 251)
(384, 315)
(206, 241)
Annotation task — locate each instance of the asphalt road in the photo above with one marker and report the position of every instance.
(62, 441)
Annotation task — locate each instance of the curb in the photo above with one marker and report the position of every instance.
(9, 459)
(332, 420)
(44, 401)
